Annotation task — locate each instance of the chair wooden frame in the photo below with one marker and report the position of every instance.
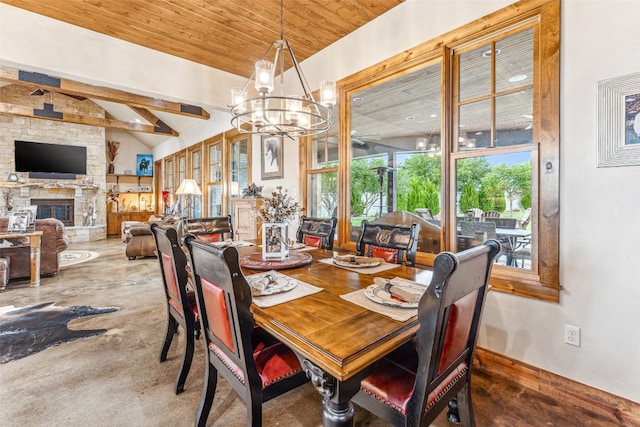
(256, 365)
(321, 231)
(180, 305)
(400, 238)
(210, 229)
(423, 377)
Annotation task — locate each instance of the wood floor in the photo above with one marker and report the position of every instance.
(116, 379)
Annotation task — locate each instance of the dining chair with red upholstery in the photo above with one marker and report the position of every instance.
(414, 384)
(394, 243)
(211, 229)
(254, 363)
(318, 232)
(181, 303)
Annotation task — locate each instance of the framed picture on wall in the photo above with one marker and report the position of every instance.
(271, 157)
(144, 164)
(619, 121)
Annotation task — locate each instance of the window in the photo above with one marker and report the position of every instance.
(456, 136)
(239, 155)
(195, 169)
(213, 188)
(323, 174)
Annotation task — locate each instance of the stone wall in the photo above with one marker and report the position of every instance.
(54, 132)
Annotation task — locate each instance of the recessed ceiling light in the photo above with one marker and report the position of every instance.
(410, 118)
(358, 99)
(433, 115)
(527, 116)
(517, 78)
(487, 54)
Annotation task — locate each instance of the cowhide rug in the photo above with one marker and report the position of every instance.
(28, 330)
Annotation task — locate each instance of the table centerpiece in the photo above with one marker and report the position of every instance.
(276, 212)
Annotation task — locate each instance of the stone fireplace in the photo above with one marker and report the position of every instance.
(62, 209)
(81, 202)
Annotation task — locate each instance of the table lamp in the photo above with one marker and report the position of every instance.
(188, 188)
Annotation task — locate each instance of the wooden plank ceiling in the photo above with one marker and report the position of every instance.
(229, 35)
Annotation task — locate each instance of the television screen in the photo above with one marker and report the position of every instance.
(44, 159)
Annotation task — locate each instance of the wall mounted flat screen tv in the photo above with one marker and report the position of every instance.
(50, 161)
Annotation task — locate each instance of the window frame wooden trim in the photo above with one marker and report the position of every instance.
(541, 284)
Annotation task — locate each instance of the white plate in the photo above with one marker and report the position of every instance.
(377, 294)
(281, 284)
(355, 261)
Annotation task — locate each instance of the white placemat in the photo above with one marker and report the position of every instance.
(302, 290)
(368, 270)
(401, 314)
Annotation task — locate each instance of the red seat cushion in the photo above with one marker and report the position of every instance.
(389, 255)
(274, 362)
(208, 238)
(313, 241)
(392, 384)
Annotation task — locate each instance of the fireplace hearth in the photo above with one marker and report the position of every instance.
(61, 209)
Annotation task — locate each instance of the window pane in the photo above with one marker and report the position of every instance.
(418, 190)
(500, 185)
(239, 166)
(215, 200)
(475, 73)
(324, 148)
(514, 118)
(514, 64)
(474, 130)
(323, 191)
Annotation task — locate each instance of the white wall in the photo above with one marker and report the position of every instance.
(129, 148)
(599, 207)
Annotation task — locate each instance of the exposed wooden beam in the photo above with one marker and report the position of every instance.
(48, 114)
(43, 81)
(153, 119)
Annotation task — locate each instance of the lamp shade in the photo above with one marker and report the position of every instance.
(189, 186)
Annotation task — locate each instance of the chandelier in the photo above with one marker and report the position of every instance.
(291, 115)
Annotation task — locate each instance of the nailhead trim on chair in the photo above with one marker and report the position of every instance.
(462, 370)
(459, 373)
(238, 374)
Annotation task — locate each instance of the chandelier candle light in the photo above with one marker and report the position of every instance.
(291, 115)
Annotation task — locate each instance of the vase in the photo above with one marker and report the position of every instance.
(274, 241)
(112, 169)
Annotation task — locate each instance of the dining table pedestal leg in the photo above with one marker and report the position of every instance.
(338, 410)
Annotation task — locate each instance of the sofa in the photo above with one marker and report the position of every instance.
(54, 240)
(140, 241)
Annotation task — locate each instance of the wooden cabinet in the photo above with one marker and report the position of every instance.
(134, 199)
(246, 225)
(115, 220)
(134, 193)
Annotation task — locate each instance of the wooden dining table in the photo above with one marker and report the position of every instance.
(338, 342)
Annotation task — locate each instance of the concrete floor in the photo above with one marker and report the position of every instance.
(116, 379)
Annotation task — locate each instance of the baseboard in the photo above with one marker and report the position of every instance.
(619, 410)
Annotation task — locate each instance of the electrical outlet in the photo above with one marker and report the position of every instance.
(572, 335)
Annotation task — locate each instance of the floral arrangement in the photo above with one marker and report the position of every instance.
(112, 150)
(278, 208)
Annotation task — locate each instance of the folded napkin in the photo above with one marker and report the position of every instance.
(357, 260)
(398, 289)
(260, 285)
